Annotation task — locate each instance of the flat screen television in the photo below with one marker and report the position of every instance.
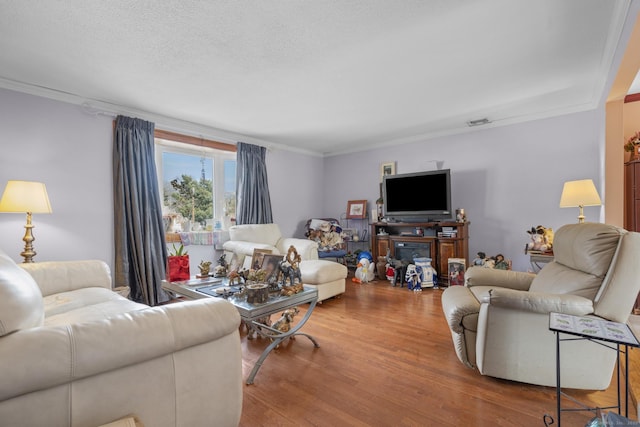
(417, 197)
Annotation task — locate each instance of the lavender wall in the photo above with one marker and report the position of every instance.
(70, 151)
(56, 143)
(507, 179)
(295, 183)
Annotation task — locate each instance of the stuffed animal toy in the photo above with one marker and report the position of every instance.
(541, 239)
(315, 235)
(365, 254)
(364, 271)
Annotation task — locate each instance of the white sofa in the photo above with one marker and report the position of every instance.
(326, 276)
(75, 353)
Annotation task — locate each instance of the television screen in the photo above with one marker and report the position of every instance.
(420, 196)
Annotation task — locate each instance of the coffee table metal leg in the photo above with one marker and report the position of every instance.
(277, 339)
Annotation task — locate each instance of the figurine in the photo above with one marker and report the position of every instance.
(480, 259)
(221, 268)
(283, 324)
(204, 268)
(413, 276)
(500, 263)
(234, 277)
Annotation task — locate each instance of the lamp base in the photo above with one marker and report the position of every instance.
(581, 216)
(28, 239)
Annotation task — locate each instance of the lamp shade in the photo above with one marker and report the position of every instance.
(25, 196)
(579, 193)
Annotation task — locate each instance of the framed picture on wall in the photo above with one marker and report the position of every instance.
(348, 233)
(388, 168)
(357, 209)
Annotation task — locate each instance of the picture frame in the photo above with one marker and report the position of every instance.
(387, 168)
(258, 257)
(348, 233)
(270, 265)
(356, 209)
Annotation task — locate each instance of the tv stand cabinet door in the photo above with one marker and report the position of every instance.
(446, 249)
(382, 246)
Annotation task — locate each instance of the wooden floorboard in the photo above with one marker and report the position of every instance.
(386, 359)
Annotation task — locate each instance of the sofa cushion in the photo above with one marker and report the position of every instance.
(64, 302)
(98, 311)
(21, 304)
(63, 276)
(321, 271)
(267, 234)
(240, 247)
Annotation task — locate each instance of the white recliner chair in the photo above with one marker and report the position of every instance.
(499, 320)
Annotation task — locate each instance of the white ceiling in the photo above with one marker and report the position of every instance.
(323, 76)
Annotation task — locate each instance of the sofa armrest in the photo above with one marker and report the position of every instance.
(482, 276)
(83, 350)
(538, 302)
(63, 276)
(307, 249)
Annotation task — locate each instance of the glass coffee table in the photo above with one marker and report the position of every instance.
(251, 313)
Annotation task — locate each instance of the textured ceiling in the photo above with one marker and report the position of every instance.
(324, 76)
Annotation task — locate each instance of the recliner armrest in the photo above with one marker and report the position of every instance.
(538, 302)
(482, 276)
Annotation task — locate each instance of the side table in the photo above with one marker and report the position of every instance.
(614, 335)
(537, 258)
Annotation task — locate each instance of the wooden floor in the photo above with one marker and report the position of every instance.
(386, 359)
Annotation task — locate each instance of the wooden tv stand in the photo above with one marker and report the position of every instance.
(385, 235)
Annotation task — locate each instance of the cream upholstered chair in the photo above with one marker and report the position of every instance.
(327, 277)
(499, 320)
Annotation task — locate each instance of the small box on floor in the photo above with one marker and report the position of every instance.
(456, 269)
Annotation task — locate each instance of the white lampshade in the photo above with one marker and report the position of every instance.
(25, 196)
(578, 194)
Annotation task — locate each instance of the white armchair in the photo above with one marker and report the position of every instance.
(499, 320)
(326, 276)
(243, 239)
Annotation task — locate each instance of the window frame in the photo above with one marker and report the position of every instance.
(219, 152)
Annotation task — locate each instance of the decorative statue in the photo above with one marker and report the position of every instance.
(413, 276)
(221, 268)
(204, 268)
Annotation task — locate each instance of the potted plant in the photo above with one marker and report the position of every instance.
(633, 145)
(178, 264)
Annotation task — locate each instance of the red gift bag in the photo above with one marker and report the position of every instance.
(178, 268)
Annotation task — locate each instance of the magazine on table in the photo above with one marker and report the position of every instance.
(593, 327)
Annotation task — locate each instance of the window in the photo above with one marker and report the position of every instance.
(197, 184)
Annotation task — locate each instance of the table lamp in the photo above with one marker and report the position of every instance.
(579, 193)
(29, 197)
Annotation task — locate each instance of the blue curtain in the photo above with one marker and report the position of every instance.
(253, 203)
(141, 251)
